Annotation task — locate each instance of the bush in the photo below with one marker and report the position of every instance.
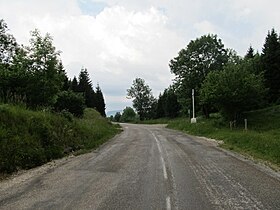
(71, 102)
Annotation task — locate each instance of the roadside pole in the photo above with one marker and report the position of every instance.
(193, 120)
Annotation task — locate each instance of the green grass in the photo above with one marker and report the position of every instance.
(29, 138)
(261, 141)
(154, 121)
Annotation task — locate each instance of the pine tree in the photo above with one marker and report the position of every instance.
(74, 84)
(271, 65)
(99, 101)
(250, 53)
(85, 87)
(66, 82)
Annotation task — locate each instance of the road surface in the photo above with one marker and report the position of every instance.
(146, 167)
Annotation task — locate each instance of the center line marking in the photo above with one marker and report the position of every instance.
(168, 204)
(161, 157)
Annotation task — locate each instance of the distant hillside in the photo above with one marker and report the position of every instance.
(113, 113)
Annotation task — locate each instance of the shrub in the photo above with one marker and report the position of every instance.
(71, 102)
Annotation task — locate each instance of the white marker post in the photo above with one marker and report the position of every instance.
(193, 120)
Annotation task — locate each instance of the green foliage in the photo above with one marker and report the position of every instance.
(70, 101)
(29, 139)
(232, 90)
(254, 65)
(143, 100)
(250, 53)
(271, 65)
(47, 78)
(117, 117)
(35, 76)
(74, 85)
(128, 115)
(85, 87)
(12, 80)
(99, 101)
(168, 105)
(191, 66)
(263, 120)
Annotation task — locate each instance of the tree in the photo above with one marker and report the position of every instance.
(128, 115)
(233, 90)
(193, 64)
(18, 77)
(250, 53)
(66, 82)
(168, 105)
(74, 85)
(99, 101)
(8, 45)
(85, 87)
(271, 65)
(47, 78)
(172, 106)
(117, 117)
(143, 99)
(160, 113)
(8, 51)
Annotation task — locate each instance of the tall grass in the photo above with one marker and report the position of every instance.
(29, 138)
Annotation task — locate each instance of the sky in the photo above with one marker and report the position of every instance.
(119, 40)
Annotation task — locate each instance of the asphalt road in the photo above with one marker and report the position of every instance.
(146, 167)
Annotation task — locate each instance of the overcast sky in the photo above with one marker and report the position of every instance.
(119, 40)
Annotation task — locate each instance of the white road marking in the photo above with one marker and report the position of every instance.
(168, 204)
(161, 157)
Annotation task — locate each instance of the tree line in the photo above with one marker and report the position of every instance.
(34, 76)
(223, 81)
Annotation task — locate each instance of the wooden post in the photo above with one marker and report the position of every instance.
(246, 124)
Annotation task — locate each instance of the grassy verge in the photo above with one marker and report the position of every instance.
(29, 138)
(261, 141)
(154, 121)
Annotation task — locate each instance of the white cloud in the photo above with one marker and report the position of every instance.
(132, 38)
(205, 27)
(115, 46)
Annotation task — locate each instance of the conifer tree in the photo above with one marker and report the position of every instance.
(74, 84)
(99, 101)
(250, 53)
(85, 87)
(271, 65)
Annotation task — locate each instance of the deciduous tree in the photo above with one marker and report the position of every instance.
(233, 90)
(142, 96)
(193, 63)
(128, 115)
(47, 79)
